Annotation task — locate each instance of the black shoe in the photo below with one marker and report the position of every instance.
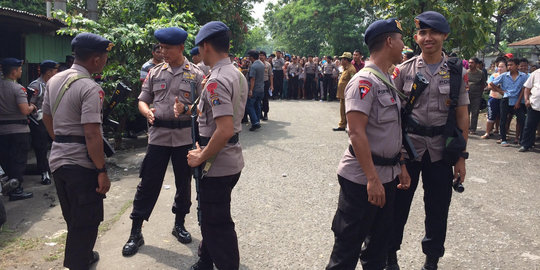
(202, 265)
(20, 194)
(45, 179)
(391, 262)
(254, 127)
(338, 129)
(95, 258)
(265, 117)
(132, 245)
(523, 149)
(431, 263)
(180, 232)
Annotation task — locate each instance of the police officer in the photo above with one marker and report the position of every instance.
(14, 131)
(311, 78)
(430, 113)
(370, 166)
(221, 109)
(277, 65)
(72, 114)
(197, 59)
(40, 138)
(328, 69)
(169, 138)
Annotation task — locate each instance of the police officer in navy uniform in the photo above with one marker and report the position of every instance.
(169, 138)
(430, 113)
(221, 109)
(14, 131)
(72, 114)
(40, 138)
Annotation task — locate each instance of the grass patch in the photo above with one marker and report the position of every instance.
(105, 226)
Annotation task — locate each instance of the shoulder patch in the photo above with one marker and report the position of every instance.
(211, 87)
(23, 89)
(101, 95)
(395, 73)
(364, 87)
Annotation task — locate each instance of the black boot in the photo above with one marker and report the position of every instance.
(180, 232)
(265, 117)
(20, 194)
(135, 240)
(94, 258)
(431, 263)
(202, 265)
(45, 178)
(391, 262)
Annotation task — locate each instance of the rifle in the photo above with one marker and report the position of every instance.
(197, 171)
(120, 94)
(419, 85)
(29, 94)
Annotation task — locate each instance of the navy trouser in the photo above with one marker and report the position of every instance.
(328, 82)
(278, 83)
(358, 222)
(437, 180)
(82, 208)
(529, 132)
(311, 87)
(14, 153)
(40, 144)
(152, 173)
(220, 243)
(509, 109)
(253, 107)
(265, 103)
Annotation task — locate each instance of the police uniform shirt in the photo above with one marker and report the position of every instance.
(278, 63)
(267, 71)
(11, 95)
(311, 68)
(328, 68)
(368, 94)
(160, 88)
(147, 67)
(293, 69)
(204, 68)
(81, 104)
(225, 94)
(431, 108)
(344, 79)
(38, 86)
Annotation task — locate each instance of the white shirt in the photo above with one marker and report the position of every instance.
(534, 84)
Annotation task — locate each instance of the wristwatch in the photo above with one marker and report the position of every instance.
(186, 108)
(403, 162)
(102, 170)
(464, 155)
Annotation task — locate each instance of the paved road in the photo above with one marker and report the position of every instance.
(285, 200)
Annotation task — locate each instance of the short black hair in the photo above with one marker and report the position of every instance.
(497, 61)
(524, 60)
(409, 55)
(155, 47)
(476, 60)
(357, 51)
(514, 60)
(278, 51)
(329, 58)
(221, 42)
(263, 53)
(272, 55)
(6, 70)
(377, 43)
(83, 54)
(253, 53)
(69, 58)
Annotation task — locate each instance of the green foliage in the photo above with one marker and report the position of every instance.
(32, 6)
(317, 26)
(257, 39)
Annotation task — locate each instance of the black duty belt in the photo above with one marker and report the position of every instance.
(172, 124)
(10, 122)
(380, 161)
(203, 141)
(425, 131)
(70, 139)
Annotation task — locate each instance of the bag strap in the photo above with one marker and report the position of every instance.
(385, 81)
(455, 67)
(65, 87)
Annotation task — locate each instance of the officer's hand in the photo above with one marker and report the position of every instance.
(194, 157)
(404, 179)
(104, 184)
(375, 192)
(150, 115)
(459, 169)
(178, 107)
(518, 104)
(250, 94)
(528, 103)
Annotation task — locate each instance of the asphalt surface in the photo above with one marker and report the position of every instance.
(285, 200)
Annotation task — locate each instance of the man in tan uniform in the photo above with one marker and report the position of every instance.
(311, 70)
(370, 166)
(346, 75)
(221, 109)
(168, 137)
(72, 114)
(430, 114)
(14, 131)
(197, 59)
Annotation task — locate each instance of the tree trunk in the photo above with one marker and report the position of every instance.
(498, 28)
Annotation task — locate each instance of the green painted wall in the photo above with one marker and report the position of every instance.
(39, 47)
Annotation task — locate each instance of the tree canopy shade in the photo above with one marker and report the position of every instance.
(318, 27)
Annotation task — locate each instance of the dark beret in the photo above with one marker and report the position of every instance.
(48, 64)
(380, 27)
(433, 20)
(171, 35)
(11, 62)
(194, 51)
(209, 30)
(91, 42)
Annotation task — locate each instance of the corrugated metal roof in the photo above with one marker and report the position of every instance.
(527, 42)
(40, 21)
